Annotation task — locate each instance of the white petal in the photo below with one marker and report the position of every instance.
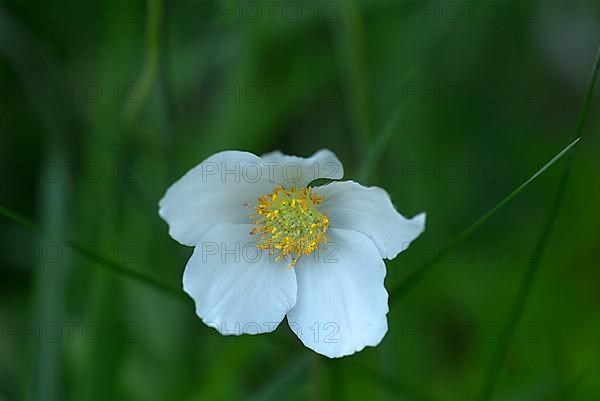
(225, 187)
(221, 189)
(370, 210)
(235, 286)
(299, 171)
(342, 303)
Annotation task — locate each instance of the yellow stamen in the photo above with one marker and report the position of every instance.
(288, 220)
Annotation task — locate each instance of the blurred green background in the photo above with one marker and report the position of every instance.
(103, 104)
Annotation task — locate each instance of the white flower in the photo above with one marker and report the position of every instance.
(268, 246)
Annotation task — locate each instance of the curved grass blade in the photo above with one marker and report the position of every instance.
(499, 355)
(112, 265)
(411, 281)
(151, 66)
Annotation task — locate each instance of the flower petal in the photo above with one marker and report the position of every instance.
(221, 189)
(225, 187)
(342, 303)
(370, 210)
(237, 289)
(299, 171)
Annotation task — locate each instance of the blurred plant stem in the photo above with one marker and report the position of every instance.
(50, 278)
(152, 64)
(156, 70)
(321, 379)
(493, 371)
(349, 37)
(51, 281)
(168, 98)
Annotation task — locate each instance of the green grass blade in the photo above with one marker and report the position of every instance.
(20, 220)
(589, 94)
(125, 271)
(411, 281)
(277, 386)
(50, 280)
(518, 307)
(111, 265)
(377, 148)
